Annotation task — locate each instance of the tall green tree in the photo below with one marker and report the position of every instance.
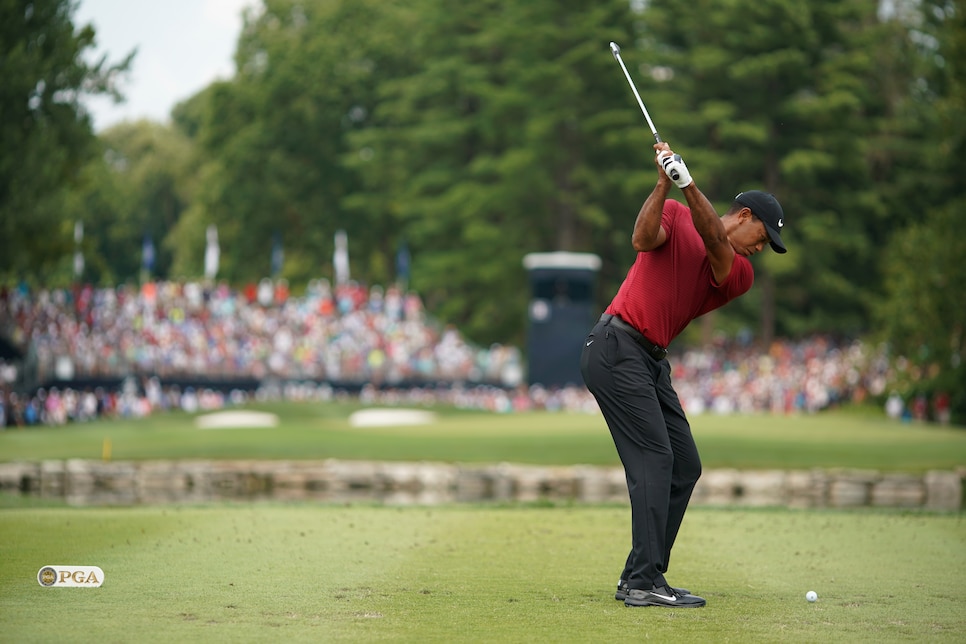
(513, 136)
(275, 137)
(133, 194)
(45, 132)
(922, 315)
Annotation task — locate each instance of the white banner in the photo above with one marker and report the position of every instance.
(70, 576)
(212, 252)
(340, 258)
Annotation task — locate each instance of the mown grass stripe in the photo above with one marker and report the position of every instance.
(277, 572)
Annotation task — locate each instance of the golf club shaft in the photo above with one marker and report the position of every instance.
(616, 50)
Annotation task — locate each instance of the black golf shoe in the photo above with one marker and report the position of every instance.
(662, 596)
(622, 589)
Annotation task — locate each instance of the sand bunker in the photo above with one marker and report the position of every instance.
(391, 417)
(236, 419)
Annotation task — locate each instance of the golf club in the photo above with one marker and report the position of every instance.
(616, 50)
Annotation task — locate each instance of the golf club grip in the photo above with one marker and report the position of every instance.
(675, 175)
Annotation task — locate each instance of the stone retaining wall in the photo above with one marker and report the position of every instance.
(82, 482)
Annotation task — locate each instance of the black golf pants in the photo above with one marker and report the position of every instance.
(654, 442)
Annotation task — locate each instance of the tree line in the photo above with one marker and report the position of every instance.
(470, 134)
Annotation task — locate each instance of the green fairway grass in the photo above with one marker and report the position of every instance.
(305, 573)
(317, 431)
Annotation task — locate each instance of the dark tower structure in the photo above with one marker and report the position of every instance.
(562, 311)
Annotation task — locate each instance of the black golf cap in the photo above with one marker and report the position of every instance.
(764, 206)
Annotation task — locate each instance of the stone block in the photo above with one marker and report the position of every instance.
(805, 489)
(761, 488)
(20, 476)
(850, 488)
(944, 490)
(719, 487)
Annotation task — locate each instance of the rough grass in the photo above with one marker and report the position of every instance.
(269, 573)
(316, 431)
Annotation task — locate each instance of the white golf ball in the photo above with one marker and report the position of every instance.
(811, 595)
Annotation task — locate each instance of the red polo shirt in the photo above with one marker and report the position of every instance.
(673, 284)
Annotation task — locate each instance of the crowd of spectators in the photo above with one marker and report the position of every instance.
(789, 376)
(379, 338)
(343, 334)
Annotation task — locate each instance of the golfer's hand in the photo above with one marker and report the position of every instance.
(659, 149)
(673, 166)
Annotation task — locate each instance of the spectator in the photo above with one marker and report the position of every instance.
(894, 406)
(920, 408)
(941, 407)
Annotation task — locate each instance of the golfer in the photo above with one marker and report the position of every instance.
(689, 261)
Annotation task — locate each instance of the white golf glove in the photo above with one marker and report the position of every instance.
(675, 169)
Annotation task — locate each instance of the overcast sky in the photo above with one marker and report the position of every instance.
(182, 46)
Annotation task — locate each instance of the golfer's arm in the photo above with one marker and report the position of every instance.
(712, 231)
(648, 232)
